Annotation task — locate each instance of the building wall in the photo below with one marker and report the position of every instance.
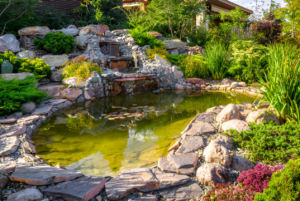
(66, 6)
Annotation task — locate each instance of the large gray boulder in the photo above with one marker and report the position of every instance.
(216, 153)
(9, 42)
(235, 124)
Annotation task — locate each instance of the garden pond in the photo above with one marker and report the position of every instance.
(105, 136)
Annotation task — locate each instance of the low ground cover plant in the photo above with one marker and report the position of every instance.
(80, 70)
(229, 192)
(57, 43)
(257, 178)
(15, 92)
(284, 184)
(269, 143)
(281, 83)
(36, 66)
(250, 60)
(142, 38)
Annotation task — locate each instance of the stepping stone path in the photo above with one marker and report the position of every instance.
(143, 180)
(43, 175)
(84, 188)
(9, 145)
(181, 164)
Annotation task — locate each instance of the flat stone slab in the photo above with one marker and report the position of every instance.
(51, 88)
(191, 144)
(43, 175)
(28, 194)
(204, 118)
(145, 198)
(7, 121)
(199, 128)
(15, 130)
(9, 145)
(45, 109)
(188, 191)
(143, 180)
(81, 189)
(57, 101)
(183, 161)
(29, 120)
(7, 167)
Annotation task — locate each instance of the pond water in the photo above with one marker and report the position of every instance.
(105, 136)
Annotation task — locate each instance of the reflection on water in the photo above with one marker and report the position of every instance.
(106, 136)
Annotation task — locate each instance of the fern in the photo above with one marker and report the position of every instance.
(142, 38)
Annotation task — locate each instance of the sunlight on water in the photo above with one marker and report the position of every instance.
(106, 136)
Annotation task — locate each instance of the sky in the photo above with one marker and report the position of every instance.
(247, 3)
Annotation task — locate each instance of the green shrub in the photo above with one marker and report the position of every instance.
(250, 60)
(282, 89)
(15, 92)
(199, 37)
(80, 70)
(217, 59)
(37, 66)
(141, 37)
(194, 66)
(269, 143)
(284, 184)
(57, 43)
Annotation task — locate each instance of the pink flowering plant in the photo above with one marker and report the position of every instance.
(257, 178)
(251, 182)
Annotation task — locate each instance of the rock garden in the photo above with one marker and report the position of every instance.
(59, 80)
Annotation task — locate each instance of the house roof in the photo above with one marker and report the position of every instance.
(228, 5)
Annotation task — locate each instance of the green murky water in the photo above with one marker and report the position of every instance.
(106, 136)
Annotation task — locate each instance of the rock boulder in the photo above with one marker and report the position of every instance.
(216, 153)
(70, 94)
(28, 108)
(228, 113)
(28, 194)
(236, 124)
(211, 174)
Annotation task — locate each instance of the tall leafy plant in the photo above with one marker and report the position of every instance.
(141, 37)
(217, 59)
(281, 83)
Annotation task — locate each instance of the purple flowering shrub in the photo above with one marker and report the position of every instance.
(257, 178)
(228, 192)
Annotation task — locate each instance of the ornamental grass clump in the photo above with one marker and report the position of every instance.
(141, 37)
(284, 184)
(194, 66)
(80, 70)
(257, 178)
(217, 58)
(269, 143)
(282, 82)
